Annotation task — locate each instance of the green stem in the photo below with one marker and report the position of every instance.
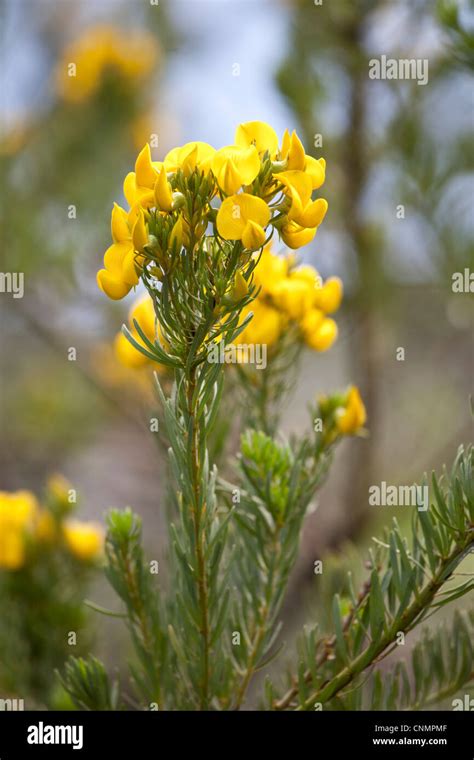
(140, 614)
(199, 541)
(261, 630)
(403, 623)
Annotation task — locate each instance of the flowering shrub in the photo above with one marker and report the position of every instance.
(101, 53)
(196, 235)
(46, 558)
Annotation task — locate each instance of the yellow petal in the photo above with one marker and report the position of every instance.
(130, 188)
(315, 169)
(257, 133)
(313, 214)
(143, 312)
(163, 194)
(114, 257)
(295, 236)
(296, 155)
(177, 234)
(298, 185)
(189, 156)
(236, 211)
(84, 540)
(265, 327)
(235, 166)
(111, 286)
(140, 233)
(145, 173)
(355, 415)
(294, 296)
(324, 336)
(329, 297)
(129, 269)
(119, 224)
(253, 235)
(128, 354)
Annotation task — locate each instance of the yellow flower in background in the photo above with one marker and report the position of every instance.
(259, 134)
(85, 540)
(17, 512)
(328, 298)
(141, 311)
(104, 51)
(264, 328)
(319, 333)
(234, 166)
(193, 155)
(243, 217)
(353, 416)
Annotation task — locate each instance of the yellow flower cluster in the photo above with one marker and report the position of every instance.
(291, 295)
(103, 49)
(24, 523)
(261, 186)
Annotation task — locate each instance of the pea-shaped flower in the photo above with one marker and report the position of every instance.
(243, 217)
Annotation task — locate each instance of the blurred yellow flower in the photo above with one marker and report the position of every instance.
(101, 51)
(353, 416)
(17, 511)
(264, 328)
(84, 539)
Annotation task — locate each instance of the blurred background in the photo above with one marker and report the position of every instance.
(400, 185)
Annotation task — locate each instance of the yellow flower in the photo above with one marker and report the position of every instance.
(294, 296)
(120, 261)
(17, 511)
(99, 51)
(292, 152)
(303, 210)
(243, 217)
(234, 166)
(329, 297)
(353, 417)
(296, 236)
(257, 133)
(189, 157)
(163, 192)
(83, 539)
(138, 186)
(239, 288)
(270, 271)
(319, 331)
(265, 327)
(119, 275)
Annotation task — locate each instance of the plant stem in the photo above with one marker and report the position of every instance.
(261, 629)
(139, 610)
(404, 623)
(199, 542)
